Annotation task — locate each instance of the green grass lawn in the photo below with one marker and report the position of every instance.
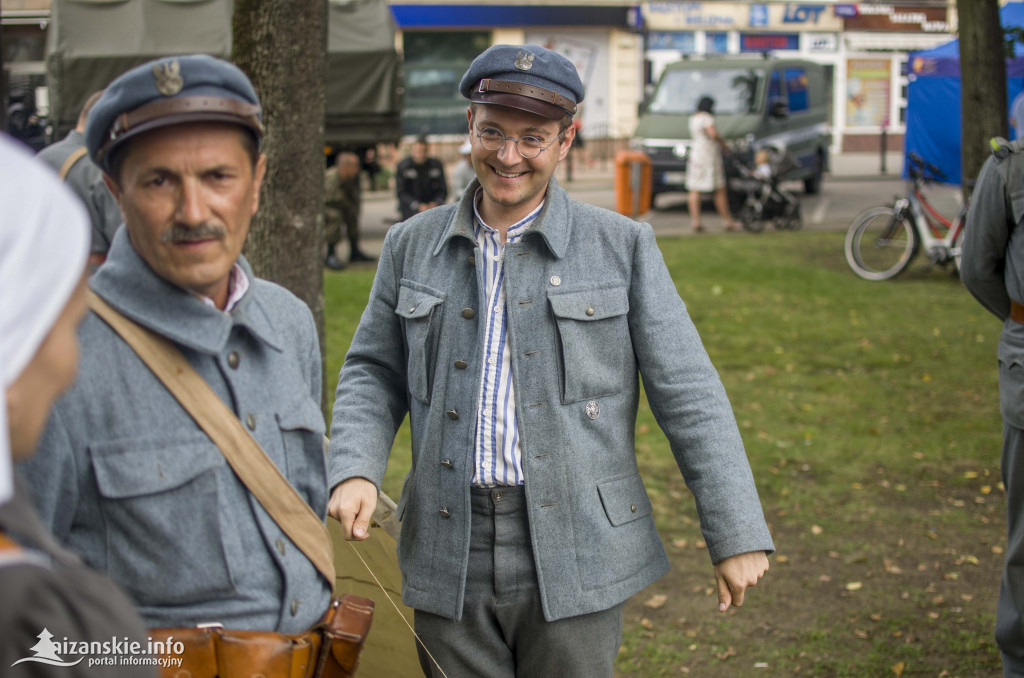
(870, 415)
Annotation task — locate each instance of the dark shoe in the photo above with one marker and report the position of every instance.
(334, 263)
(358, 256)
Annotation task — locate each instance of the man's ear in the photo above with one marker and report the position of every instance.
(567, 137)
(259, 171)
(113, 187)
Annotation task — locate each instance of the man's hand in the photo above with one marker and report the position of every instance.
(352, 504)
(735, 574)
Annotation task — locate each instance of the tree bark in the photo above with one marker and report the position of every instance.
(982, 82)
(282, 46)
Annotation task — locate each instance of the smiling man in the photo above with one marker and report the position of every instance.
(124, 474)
(513, 327)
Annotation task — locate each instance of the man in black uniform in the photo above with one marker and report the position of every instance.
(419, 181)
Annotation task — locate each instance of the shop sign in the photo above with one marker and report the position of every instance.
(682, 41)
(769, 42)
(694, 15)
(822, 42)
(875, 17)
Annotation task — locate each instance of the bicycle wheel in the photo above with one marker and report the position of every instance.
(958, 246)
(880, 245)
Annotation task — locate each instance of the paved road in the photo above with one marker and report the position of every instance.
(841, 199)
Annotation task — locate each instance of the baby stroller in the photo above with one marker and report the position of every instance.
(765, 199)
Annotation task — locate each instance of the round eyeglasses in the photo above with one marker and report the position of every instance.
(529, 147)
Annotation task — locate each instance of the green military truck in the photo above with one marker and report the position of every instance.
(91, 42)
(783, 103)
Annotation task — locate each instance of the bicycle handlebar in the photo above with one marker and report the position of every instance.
(922, 169)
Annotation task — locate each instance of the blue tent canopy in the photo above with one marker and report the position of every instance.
(933, 98)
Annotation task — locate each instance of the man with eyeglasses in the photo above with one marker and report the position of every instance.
(513, 327)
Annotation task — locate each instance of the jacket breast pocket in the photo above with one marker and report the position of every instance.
(420, 309)
(302, 432)
(162, 513)
(593, 336)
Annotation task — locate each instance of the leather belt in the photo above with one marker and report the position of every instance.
(329, 650)
(1017, 312)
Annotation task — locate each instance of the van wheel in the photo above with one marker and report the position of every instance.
(812, 184)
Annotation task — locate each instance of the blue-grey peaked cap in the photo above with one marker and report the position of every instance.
(170, 91)
(528, 77)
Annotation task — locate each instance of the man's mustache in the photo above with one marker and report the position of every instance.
(182, 233)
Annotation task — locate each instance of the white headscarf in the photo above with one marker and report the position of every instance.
(44, 242)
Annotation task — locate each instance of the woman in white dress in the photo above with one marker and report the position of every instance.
(705, 171)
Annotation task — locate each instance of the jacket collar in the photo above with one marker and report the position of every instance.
(552, 224)
(126, 282)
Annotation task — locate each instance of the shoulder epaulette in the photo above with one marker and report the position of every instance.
(1001, 148)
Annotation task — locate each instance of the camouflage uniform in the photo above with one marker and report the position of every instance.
(342, 201)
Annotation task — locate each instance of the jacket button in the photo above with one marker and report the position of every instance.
(460, 364)
(295, 606)
(633, 508)
(452, 414)
(445, 513)
(280, 546)
(250, 421)
(447, 463)
(468, 313)
(471, 260)
(234, 359)
(590, 310)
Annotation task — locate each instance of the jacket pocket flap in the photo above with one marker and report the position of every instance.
(138, 467)
(415, 303)
(304, 416)
(590, 304)
(624, 499)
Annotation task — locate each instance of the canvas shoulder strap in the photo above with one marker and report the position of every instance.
(247, 459)
(70, 162)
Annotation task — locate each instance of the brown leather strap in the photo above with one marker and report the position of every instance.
(539, 93)
(70, 162)
(247, 459)
(1017, 312)
(186, 107)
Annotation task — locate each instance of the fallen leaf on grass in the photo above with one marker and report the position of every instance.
(647, 624)
(656, 601)
(731, 652)
(680, 543)
(782, 559)
(891, 567)
(854, 586)
(897, 668)
(816, 529)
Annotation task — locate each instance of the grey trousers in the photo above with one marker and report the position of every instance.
(1009, 619)
(503, 633)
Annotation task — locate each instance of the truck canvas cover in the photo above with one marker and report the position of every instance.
(91, 42)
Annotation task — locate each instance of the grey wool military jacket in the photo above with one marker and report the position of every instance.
(590, 307)
(86, 180)
(992, 265)
(127, 479)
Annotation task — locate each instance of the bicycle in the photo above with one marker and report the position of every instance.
(882, 241)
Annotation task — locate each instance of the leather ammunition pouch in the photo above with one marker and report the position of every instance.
(328, 650)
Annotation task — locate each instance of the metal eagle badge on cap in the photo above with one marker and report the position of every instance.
(168, 78)
(524, 60)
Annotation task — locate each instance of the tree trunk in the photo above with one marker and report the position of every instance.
(282, 46)
(982, 82)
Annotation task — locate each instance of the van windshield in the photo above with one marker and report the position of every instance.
(733, 89)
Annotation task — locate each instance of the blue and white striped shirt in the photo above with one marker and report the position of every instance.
(497, 456)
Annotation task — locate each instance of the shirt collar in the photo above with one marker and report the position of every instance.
(126, 282)
(553, 223)
(514, 231)
(238, 285)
